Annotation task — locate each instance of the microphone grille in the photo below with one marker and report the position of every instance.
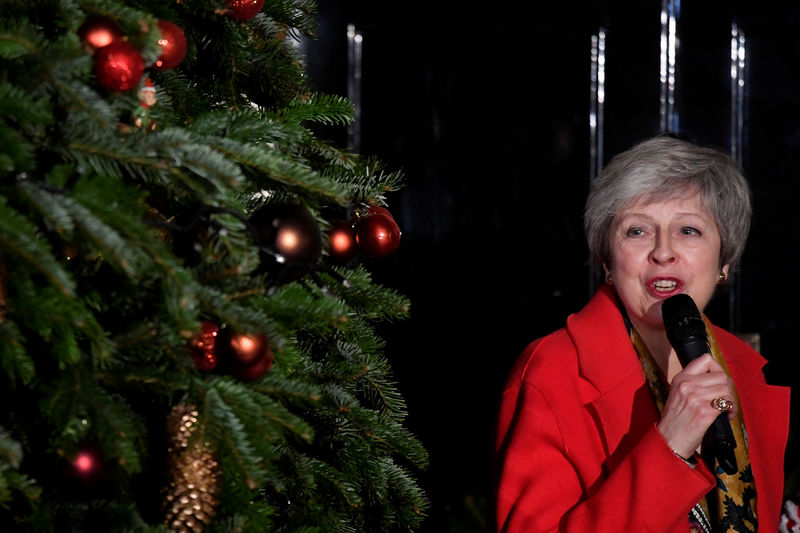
(681, 317)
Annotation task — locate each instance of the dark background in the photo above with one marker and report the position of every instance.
(486, 112)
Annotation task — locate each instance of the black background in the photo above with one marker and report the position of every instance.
(485, 109)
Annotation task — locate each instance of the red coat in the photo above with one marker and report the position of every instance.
(577, 444)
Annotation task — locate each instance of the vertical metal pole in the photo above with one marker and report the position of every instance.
(596, 102)
(738, 66)
(670, 12)
(738, 63)
(597, 96)
(354, 46)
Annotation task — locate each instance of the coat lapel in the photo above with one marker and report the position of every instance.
(614, 380)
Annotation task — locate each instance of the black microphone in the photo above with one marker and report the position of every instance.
(686, 332)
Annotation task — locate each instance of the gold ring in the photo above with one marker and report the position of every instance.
(721, 404)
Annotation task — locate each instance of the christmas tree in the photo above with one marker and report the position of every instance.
(188, 323)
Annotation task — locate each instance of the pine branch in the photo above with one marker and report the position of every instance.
(367, 299)
(21, 241)
(299, 15)
(48, 206)
(76, 404)
(109, 242)
(223, 426)
(320, 108)
(11, 480)
(174, 158)
(18, 38)
(366, 181)
(23, 107)
(317, 482)
(14, 358)
(87, 106)
(276, 167)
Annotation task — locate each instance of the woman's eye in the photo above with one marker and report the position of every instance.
(634, 232)
(688, 230)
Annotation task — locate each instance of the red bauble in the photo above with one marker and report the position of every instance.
(87, 468)
(341, 241)
(244, 356)
(290, 231)
(244, 9)
(203, 347)
(378, 235)
(173, 45)
(254, 371)
(97, 32)
(378, 210)
(118, 66)
(85, 463)
(244, 349)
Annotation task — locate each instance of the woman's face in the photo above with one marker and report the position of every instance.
(660, 249)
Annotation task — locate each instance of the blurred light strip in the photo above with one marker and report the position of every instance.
(354, 45)
(670, 12)
(597, 97)
(738, 64)
(596, 102)
(738, 86)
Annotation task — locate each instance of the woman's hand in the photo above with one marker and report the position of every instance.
(688, 412)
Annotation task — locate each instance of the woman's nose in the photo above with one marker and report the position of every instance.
(663, 251)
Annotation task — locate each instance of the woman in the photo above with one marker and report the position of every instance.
(600, 428)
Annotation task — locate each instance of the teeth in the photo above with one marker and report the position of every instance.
(665, 284)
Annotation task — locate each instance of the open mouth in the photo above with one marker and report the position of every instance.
(665, 285)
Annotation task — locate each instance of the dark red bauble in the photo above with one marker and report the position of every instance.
(379, 210)
(203, 347)
(241, 349)
(98, 31)
(118, 66)
(290, 231)
(87, 468)
(244, 356)
(244, 9)
(85, 463)
(342, 245)
(254, 371)
(378, 235)
(173, 45)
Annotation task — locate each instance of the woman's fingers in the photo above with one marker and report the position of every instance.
(688, 411)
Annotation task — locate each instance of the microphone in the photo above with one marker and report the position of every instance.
(686, 332)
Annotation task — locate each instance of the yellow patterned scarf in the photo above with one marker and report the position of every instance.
(731, 506)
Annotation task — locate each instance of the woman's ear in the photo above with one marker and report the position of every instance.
(723, 273)
(608, 279)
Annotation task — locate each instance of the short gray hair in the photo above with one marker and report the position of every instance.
(661, 168)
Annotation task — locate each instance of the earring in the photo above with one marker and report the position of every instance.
(722, 278)
(609, 281)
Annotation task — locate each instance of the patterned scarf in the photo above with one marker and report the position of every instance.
(731, 506)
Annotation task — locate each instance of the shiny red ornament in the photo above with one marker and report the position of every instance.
(247, 349)
(254, 371)
(173, 45)
(84, 463)
(203, 347)
(86, 469)
(118, 66)
(378, 235)
(379, 210)
(244, 356)
(341, 242)
(244, 9)
(98, 31)
(290, 231)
